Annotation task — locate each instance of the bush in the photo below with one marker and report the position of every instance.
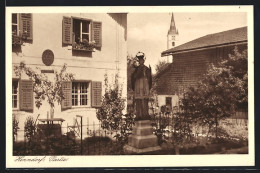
(15, 127)
(29, 128)
(219, 92)
(111, 112)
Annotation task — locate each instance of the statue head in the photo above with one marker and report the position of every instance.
(141, 57)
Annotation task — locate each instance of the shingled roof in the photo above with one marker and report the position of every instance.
(222, 38)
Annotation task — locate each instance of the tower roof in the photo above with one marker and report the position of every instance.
(172, 29)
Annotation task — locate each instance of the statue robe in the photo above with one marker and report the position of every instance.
(141, 84)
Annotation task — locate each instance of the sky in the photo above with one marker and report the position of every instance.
(147, 32)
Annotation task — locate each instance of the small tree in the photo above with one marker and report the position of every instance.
(159, 67)
(110, 114)
(111, 111)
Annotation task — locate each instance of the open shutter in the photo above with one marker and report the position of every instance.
(97, 33)
(67, 30)
(96, 94)
(25, 25)
(26, 95)
(67, 91)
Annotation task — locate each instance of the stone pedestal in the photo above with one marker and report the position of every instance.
(142, 139)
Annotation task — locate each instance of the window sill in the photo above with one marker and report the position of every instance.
(79, 107)
(15, 109)
(84, 50)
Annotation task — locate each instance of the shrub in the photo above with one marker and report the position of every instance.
(15, 127)
(111, 112)
(220, 91)
(29, 128)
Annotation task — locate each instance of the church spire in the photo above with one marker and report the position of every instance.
(172, 29)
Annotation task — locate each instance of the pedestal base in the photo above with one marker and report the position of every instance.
(132, 150)
(142, 139)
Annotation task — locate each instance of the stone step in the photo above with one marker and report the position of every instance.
(131, 150)
(140, 142)
(142, 131)
(143, 123)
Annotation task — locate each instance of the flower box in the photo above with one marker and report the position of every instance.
(84, 45)
(17, 40)
(87, 49)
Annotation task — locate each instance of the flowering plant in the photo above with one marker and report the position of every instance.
(84, 45)
(19, 39)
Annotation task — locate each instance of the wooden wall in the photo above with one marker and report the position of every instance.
(188, 67)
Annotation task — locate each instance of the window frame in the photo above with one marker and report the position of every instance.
(17, 94)
(81, 19)
(17, 24)
(79, 94)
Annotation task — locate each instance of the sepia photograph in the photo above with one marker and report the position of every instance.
(106, 87)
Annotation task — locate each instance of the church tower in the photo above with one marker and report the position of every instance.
(172, 37)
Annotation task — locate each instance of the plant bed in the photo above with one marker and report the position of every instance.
(102, 146)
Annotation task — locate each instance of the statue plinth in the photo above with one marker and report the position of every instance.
(142, 140)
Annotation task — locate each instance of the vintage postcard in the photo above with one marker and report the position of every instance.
(129, 87)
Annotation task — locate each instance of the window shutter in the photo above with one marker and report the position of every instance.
(67, 92)
(67, 30)
(26, 95)
(97, 33)
(96, 94)
(25, 25)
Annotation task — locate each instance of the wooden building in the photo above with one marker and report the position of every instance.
(190, 61)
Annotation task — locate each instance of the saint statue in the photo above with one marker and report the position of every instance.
(141, 80)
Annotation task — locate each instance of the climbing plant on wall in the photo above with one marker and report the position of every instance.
(42, 86)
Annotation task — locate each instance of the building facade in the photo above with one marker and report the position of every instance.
(52, 40)
(190, 61)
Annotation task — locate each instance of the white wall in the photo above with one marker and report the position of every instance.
(47, 34)
(162, 100)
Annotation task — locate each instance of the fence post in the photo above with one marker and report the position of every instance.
(24, 142)
(99, 138)
(94, 137)
(87, 134)
(80, 133)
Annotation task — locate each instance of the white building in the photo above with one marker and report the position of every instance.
(51, 43)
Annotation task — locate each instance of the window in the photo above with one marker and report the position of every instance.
(81, 30)
(21, 28)
(15, 94)
(15, 24)
(168, 101)
(75, 30)
(80, 93)
(173, 43)
(22, 95)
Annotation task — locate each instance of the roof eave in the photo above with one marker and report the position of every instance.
(167, 53)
